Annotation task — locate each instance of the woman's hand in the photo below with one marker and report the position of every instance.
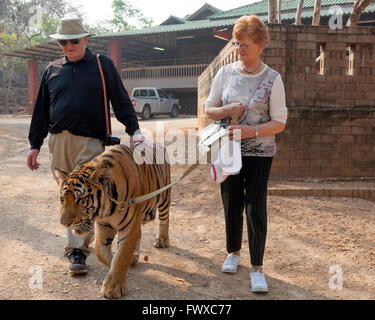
(225, 111)
(264, 130)
(238, 132)
(229, 109)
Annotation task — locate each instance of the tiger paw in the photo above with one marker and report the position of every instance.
(161, 242)
(135, 259)
(114, 290)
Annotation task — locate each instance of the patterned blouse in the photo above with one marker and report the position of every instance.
(268, 103)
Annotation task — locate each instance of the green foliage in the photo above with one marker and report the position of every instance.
(122, 12)
(27, 23)
(124, 17)
(48, 27)
(33, 20)
(30, 22)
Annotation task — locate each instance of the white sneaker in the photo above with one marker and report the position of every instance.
(231, 263)
(258, 282)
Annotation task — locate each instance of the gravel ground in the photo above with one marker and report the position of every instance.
(317, 247)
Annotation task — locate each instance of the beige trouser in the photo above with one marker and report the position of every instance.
(67, 152)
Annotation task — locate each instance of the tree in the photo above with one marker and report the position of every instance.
(124, 17)
(27, 23)
(272, 10)
(299, 13)
(317, 8)
(279, 11)
(29, 18)
(357, 9)
(2, 9)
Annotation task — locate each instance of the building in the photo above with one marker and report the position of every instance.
(289, 8)
(172, 55)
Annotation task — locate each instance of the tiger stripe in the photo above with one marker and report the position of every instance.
(95, 191)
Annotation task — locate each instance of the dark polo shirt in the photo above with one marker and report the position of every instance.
(71, 98)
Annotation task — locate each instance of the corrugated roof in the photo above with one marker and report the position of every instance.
(187, 26)
(324, 12)
(223, 19)
(261, 8)
(171, 19)
(206, 7)
(98, 41)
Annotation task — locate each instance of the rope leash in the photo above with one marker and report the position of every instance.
(126, 203)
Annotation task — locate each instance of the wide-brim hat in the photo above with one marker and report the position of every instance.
(70, 28)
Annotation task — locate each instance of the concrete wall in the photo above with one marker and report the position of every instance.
(330, 129)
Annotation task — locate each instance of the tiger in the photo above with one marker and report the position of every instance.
(98, 191)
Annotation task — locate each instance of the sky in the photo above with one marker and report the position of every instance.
(158, 10)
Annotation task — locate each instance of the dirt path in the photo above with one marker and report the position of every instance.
(312, 243)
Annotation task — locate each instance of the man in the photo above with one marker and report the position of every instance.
(70, 106)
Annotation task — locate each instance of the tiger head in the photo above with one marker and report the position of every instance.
(80, 199)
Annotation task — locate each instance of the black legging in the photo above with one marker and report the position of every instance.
(247, 188)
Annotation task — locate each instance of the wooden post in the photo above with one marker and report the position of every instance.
(114, 52)
(32, 84)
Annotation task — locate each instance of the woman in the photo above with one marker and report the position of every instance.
(260, 119)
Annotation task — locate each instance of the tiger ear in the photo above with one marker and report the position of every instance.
(99, 177)
(60, 175)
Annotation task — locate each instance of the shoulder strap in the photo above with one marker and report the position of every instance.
(107, 119)
(260, 80)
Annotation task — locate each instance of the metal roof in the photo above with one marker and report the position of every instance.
(171, 19)
(289, 7)
(187, 26)
(51, 50)
(143, 38)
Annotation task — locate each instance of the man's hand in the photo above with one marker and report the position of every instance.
(136, 138)
(31, 159)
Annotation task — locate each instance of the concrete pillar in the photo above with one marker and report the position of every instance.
(114, 52)
(32, 84)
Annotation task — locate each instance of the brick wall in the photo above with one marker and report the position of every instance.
(326, 142)
(305, 87)
(331, 122)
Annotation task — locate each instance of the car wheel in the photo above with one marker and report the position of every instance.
(146, 113)
(174, 112)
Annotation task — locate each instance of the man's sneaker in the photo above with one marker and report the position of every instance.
(77, 262)
(231, 263)
(258, 282)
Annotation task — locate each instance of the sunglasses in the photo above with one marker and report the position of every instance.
(65, 42)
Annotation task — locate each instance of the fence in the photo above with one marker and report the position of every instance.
(164, 71)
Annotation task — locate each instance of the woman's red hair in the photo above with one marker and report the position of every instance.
(252, 27)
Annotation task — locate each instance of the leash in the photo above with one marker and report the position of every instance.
(150, 195)
(126, 203)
